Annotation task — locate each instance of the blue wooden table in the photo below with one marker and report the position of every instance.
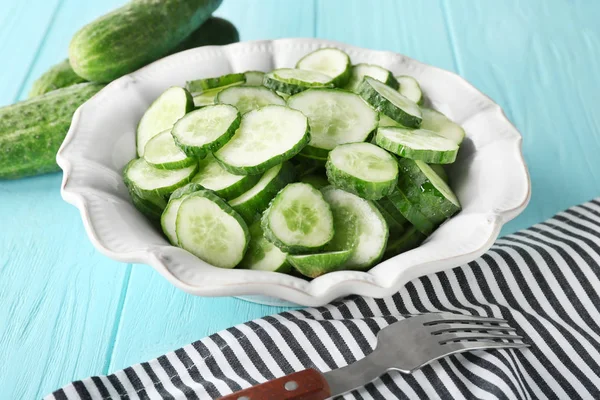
(68, 312)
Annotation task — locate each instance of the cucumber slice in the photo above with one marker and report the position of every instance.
(298, 219)
(317, 180)
(391, 103)
(206, 130)
(146, 207)
(314, 265)
(359, 71)
(228, 186)
(409, 240)
(335, 116)
(162, 152)
(284, 96)
(424, 188)
(251, 204)
(329, 61)
(395, 227)
(310, 160)
(412, 212)
(384, 120)
(266, 137)
(363, 169)
(248, 98)
(201, 85)
(410, 88)
(417, 144)
(439, 169)
(168, 218)
(254, 78)
(147, 181)
(292, 80)
(359, 227)
(391, 210)
(437, 122)
(210, 229)
(167, 109)
(263, 255)
(208, 97)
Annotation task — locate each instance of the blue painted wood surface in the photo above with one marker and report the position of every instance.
(68, 312)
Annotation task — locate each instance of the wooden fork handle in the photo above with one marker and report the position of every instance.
(309, 384)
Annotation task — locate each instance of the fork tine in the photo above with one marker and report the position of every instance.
(461, 347)
(441, 328)
(450, 337)
(448, 318)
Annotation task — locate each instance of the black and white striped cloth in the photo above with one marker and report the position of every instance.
(544, 280)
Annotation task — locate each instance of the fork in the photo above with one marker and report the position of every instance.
(404, 346)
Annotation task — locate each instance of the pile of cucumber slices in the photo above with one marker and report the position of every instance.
(308, 170)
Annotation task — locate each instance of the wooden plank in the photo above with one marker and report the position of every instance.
(539, 61)
(157, 317)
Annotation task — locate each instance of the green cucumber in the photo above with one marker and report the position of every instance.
(162, 114)
(409, 240)
(134, 35)
(292, 80)
(315, 265)
(146, 207)
(206, 130)
(389, 102)
(363, 169)
(439, 169)
(168, 218)
(254, 78)
(248, 98)
(417, 144)
(359, 227)
(410, 88)
(162, 152)
(359, 71)
(263, 255)
(298, 219)
(412, 212)
(31, 131)
(201, 85)
(210, 229)
(146, 180)
(335, 117)
(319, 181)
(309, 160)
(58, 76)
(384, 121)
(437, 122)
(392, 211)
(211, 175)
(395, 227)
(251, 204)
(266, 137)
(329, 61)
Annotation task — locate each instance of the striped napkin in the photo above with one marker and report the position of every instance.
(545, 280)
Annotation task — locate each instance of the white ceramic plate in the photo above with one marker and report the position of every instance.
(489, 177)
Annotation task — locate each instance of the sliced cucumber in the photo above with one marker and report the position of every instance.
(392, 211)
(248, 98)
(424, 188)
(146, 207)
(254, 78)
(319, 181)
(147, 181)
(206, 130)
(359, 71)
(210, 229)
(335, 116)
(284, 96)
(298, 219)
(417, 144)
(410, 88)
(310, 160)
(437, 122)
(266, 137)
(408, 241)
(314, 265)
(228, 186)
(251, 204)
(359, 227)
(201, 85)
(208, 97)
(412, 212)
(263, 255)
(162, 152)
(384, 120)
(168, 218)
(329, 61)
(169, 107)
(396, 228)
(439, 169)
(363, 169)
(293, 80)
(391, 103)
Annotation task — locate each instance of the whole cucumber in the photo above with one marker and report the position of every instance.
(215, 31)
(134, 35)
(31, 131)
